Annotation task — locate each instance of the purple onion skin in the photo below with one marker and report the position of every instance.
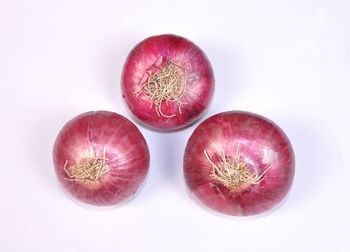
(262, 144)
(126, 152)
(151, 53)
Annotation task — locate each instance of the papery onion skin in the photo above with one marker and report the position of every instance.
(199, 88)
(126, 153)
(262, 144)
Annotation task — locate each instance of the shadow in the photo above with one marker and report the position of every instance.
(227, 69)
(111, 65)
(43, 136)
(311, 163)
(167, 152)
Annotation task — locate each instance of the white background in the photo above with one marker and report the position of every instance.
(286, 60)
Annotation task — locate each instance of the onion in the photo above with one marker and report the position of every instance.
(167, 82)
(239, 163)
(100, 158)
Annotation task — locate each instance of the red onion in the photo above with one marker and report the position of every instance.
(100, 158)
(167, 82)
(239, 163)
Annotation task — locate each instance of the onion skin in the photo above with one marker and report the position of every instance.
(261, 144)
(199, 89)
(126, 152)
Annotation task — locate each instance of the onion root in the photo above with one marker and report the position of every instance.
(167, 85)
(234, 173)
(90, 169)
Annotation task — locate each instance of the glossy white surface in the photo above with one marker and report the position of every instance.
(286, 60)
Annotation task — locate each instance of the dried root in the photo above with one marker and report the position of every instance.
(169, 85)
(234, 173)
(91, 169)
